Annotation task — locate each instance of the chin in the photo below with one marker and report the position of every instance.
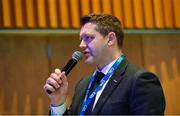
(89, 61)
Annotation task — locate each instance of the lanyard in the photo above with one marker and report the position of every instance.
(87, 100)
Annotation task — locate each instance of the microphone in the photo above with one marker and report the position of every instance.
(76, 57)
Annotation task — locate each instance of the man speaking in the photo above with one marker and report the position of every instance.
(116, 87)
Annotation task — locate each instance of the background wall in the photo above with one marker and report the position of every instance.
(139, 14)
(27, 60)
(37, 36)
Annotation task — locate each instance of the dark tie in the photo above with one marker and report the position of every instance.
(98, 78)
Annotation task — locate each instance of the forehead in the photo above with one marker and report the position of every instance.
(88, 28)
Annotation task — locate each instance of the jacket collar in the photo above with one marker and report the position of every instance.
(111, 85)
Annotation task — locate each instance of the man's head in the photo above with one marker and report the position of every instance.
(101, 38)
(105, 23)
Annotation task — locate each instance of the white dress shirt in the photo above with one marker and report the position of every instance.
(59, 110)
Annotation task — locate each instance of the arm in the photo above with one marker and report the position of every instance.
(147, 96)
(58, 85)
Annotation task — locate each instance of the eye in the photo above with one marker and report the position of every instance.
(88, 38)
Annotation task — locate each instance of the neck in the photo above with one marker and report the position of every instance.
(109, 60)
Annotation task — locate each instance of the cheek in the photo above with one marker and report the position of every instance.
(91, 50)
(95, 48)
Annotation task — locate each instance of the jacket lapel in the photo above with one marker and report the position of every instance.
(79, 96)
(111, 85)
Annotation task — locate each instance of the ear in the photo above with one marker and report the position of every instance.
(111, 38)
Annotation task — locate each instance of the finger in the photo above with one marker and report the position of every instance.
(52, 82)
(57, 71)
(55, 77)
(49, 87)
(64, 78)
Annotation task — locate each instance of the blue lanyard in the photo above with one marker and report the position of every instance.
(87, 100)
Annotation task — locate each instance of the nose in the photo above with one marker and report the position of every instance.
(82, 44)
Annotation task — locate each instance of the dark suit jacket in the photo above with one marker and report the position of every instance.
(129, 91)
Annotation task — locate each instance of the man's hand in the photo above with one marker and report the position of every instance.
(57, 83)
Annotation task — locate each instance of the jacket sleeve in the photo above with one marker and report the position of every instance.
(78, 96)
(147, 96)
(72, 109)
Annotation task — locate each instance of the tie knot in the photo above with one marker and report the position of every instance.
(99, 76)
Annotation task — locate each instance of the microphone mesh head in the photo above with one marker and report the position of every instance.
(77, 56)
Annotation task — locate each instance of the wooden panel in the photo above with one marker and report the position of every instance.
(30, 14)
(53, 13)
(132, 47)
(138, 14)
(148, 14)
(168, 13)
(96, 6)
(85, 7)
(118, 10)
(128, 14)
(41, 13)
(23, 71)
(158, 13)
(64, 11)
(1, 15)
(18, 13)
(176, 13)
(6, 13)
(161, 56)
(134, 14)
(106, 6)
(75, 13)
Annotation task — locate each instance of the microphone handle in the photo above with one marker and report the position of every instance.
(69, 66)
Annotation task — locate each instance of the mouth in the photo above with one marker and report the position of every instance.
(86, 54)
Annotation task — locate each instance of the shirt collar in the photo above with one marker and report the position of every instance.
(107, 67)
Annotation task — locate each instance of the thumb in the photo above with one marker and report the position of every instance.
(57, 71)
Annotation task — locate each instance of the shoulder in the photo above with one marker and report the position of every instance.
(135, 76)
(143, 81)
(145, 88)
(136, 72)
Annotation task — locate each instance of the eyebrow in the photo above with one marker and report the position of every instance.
(86, 34)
